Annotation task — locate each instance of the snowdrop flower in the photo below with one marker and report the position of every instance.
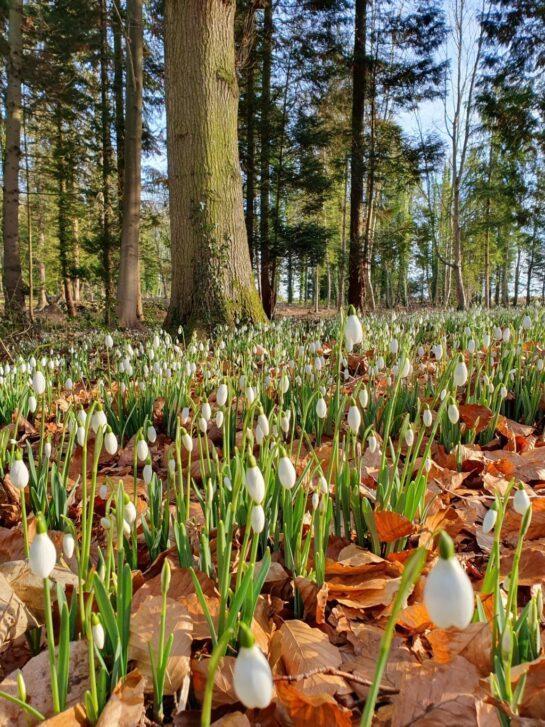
(437, 351)
(521, 501)
(503, 392)
(80, 436)
(372, 443)
(69, 384)
(106, 523)
(364, 398)
(151, 434)
(98, 420)
(147, 473)
(68, 545)
(98, 632)
(526, 322)
(108, 341)
(460, 374)
(506, 335)
(453, 413)
(142, 450)
(32, 404)
(129, 511)
(448, 593)
(321, 408)
(259, 435)
(394, 346)
(203, 424)
(252, 677)
(263, 423)
(42, 555)
(81, 417)
(257, 519)
(219, 419)
(187, 441)
(103, 492)
(172, 466)
(38, 383)
(498, 333)
(354, 417)
(471, 346)
(206, 411)
(255, 482)
(286, 471)
(285, 423)
(315, 500)
(19, 474)
(353, 331)
(250, 395)
(47, 449)
(284, 384)
(110, 442)
(489, 520)
(409, 437)
(427, 417)
(221, 395)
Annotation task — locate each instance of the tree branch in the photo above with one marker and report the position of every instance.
(336, 673)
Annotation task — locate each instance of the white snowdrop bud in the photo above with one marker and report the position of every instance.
(38, 383)
(521, 501)
(448, 593)
(68, 545)
(257, 519)
(151, 434)
(221, 395)
(252, 677)
(106, 523)
(372, 443)
(98, 420)
(206, 411)
(42, 555)
(110, 442)
(227, 482)
(142, 450)
(32, 404)
(286, 471)
(203, 425)
(97, 629)
(498, 333)
(187, 441)
(471, 346)
(250, 395)
(147, 473)
(489, 520)
(354, 417)
(486, 340)
(263, 423)
(427, 417)
(81, 417)
(255, 482)
(353, 331)
(285, 423)
(453, 413)
(259, 436)
(69, 384)
(19, 474)
(219, 419)
(321, 408)
(364, 398)
(47, 449)
(409, 437)
(103, 492)
(420, 351)
(108, 341)
(172, 466)
(503, 392)
(129, 511)
(506, 335)
(315, 500)
(284, 384)
(526, 322)
(404, 368)
(460, 374)
(437, 351)
(80, 436)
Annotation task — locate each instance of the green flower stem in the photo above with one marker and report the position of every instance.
(217, 654)
(51, 645)
(23, 705)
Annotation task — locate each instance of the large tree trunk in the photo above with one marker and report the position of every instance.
(118, 100)
(250, 153)
(357, 262)
(128, 287)
(267, 283)
(211, 271)
(12, 278)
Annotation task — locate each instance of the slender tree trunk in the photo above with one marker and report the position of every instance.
(264, 227)
(517, 278)
(106, 160)
(211, 270)
(12, 274)
(342, 260)
(118, 100)
(357, 262)
(530, 269)
(290, 278)
(29, 227)
(128, 287)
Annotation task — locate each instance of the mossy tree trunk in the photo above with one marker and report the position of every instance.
(12, 277)
(211, 273)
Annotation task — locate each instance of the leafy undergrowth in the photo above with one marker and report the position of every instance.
(278, 492)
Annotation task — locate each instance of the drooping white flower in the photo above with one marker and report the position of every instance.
(97, 628)
(286, 471)
(460, 374)
(252, 677)
(19, 474)
(526, 322)
(129, 511)
(151, 434)
(221, 395)
(263, 423)
(257, 519)
(364, 398)
(354, 417)
(521, 501)
(142, 450)
(448, 593)
(187, 441)
(32, 403)
(147, 473)
(409, 437)
(206, 411)
(80, 436)
(219, 419)
(453, 413)
(353, 331)
(489, 520)
(427, 417)
(108, 341)
(42, 555)
(68, 545)
(284, 384)
(110, 442)
(38, 383)
(372, 443)
(255, 482)
(98, 420)
(321, 408)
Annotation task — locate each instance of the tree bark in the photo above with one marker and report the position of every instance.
(128, 286)
(118, 100)
(12, 274)
(106, 160)
(357, 262)
(267, 289)
(250, 154)
(211, 272)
